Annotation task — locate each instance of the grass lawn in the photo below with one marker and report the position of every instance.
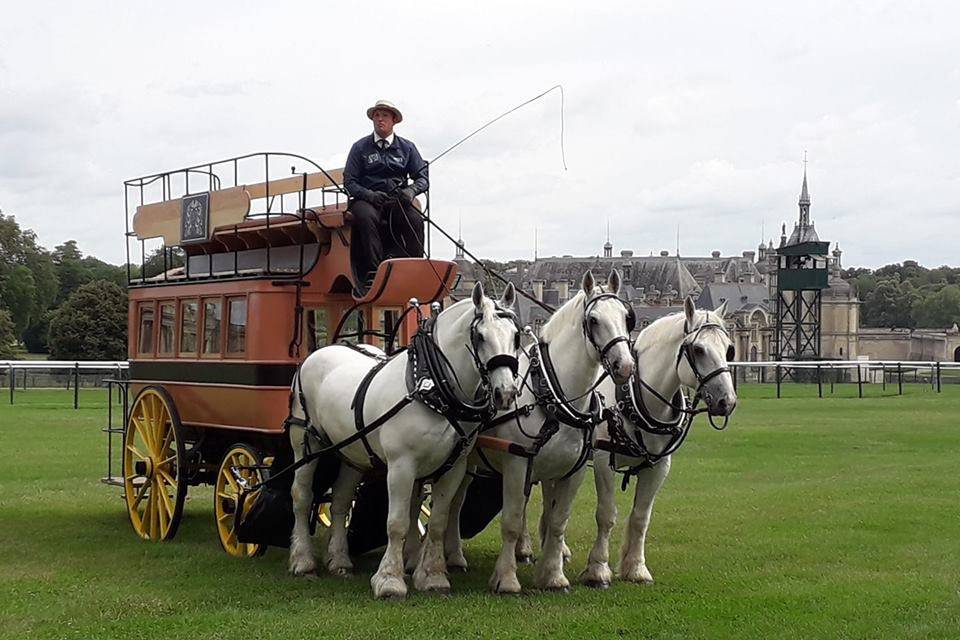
(808, 518)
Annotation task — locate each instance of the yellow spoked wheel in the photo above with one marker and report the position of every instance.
(238, 461)
(154, 482)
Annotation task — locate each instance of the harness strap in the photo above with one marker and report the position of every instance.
(357, 405)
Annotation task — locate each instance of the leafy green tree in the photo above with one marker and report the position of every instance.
(938, 310)
(37, 334)
(889, 304)
(70, 270)
(28, 282)
(91, 324)
(7, 335)
(20, 296)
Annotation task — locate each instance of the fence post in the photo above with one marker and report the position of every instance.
(778, 379)
(899, 378)
(883, 375)
(938, 376)
(76, 385)
(13, 382)
(819, 382)
(859, 380)
(734, 371)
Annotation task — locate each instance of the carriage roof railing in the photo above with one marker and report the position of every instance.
(252, 186)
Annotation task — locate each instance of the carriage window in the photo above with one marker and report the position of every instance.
(317, 328)
(146, 328)
(167, 317)
(353, 327)
(236, 325)
(388, 319)
(188, 327)
(211, 326)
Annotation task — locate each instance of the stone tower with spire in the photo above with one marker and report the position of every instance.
(797, 284)
(608, 246)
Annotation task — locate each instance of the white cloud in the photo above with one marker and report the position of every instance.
(676, 113)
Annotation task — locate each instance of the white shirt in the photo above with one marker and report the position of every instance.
(377, 139)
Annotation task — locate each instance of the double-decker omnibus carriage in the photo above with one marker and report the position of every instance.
(235, 286)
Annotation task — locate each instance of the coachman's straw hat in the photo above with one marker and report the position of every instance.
(389, 106)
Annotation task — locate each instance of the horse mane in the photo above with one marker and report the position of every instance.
(661, 330)
(567, 316)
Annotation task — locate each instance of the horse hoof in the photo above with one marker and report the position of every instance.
(505, 587)
(388, 587)
(595, 584)
(303, 569)
(341, 572)
(637, 575)
(457, 568)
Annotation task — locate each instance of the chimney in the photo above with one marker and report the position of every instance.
(538, 289)
(664, 254)
(749, 255)
(715, 254)
(626, 253)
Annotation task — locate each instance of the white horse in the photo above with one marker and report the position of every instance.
(687, 349)
(586, 334)
(478, 339)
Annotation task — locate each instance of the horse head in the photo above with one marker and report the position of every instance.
(703, 355)
(495, 340)
(607, 323)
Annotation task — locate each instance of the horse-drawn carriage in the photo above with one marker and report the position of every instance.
(243, 271)
(231, 388)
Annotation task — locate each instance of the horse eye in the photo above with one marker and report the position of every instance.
(593, 320)
(480, 337)
(698, 350)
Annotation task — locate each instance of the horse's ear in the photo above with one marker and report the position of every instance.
(613, 281)
(721, 310)
(588, 283)
(689, 313)
(477, 294)
(509, 297)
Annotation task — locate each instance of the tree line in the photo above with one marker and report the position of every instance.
(907, 295)
(60, 302)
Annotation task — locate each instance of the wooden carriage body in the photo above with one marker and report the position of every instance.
(244, 282)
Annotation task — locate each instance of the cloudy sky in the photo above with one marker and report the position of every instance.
(677, 113)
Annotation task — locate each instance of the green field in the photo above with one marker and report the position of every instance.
(808, 518)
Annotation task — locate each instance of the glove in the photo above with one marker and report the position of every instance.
(407, 194)
(377, 198)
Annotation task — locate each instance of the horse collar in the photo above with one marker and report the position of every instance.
(549, 394)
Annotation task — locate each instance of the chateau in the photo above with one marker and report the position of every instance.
(656, 285)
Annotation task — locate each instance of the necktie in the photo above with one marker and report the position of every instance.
(382, 143)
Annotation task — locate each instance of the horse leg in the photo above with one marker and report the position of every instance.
(453, 543)
(547, 486)
(431, 573)
(411, 546)
(597, 572)
(388, 581)
(344, 491)
(302, 560)
(504, 578)
(525, 543)
(633, 563)
(549, 568)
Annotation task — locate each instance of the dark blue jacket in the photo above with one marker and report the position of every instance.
(370, 169)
